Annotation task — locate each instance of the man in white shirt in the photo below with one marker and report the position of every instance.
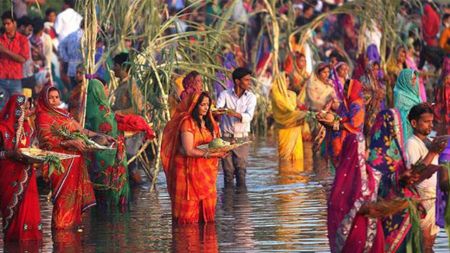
(421, 119)
(240, 103)
(68, 21)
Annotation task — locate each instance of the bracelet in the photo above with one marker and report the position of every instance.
(206, 155)
(2, 155)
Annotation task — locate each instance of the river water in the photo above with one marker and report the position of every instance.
(282, 210)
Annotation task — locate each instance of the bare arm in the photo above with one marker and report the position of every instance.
(187, 143)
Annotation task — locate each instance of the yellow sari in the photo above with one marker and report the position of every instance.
(289, 121)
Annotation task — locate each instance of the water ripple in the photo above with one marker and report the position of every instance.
(279, 212)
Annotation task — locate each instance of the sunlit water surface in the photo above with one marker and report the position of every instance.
(282, 210)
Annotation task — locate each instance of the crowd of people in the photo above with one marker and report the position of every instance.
(368, 122)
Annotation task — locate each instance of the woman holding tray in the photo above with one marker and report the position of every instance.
(71, 187)
(19, 199)
(191, 172)
(109, 168)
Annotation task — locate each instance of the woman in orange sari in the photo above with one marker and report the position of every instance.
(72, 190)
(19, 198)
(191, 173)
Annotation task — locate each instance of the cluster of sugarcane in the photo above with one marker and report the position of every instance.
(162, 55)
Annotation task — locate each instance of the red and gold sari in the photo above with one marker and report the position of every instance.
(19, 198)
(191, 181)
(72, 189)
(352, 113)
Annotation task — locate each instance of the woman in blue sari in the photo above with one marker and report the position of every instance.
(406, 95)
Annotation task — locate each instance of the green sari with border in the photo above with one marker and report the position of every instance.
(108, 169)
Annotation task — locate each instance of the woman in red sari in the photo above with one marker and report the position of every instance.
(72, 190)
(191, 173)
(19, 199)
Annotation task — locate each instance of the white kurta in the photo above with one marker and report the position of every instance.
(416, 150)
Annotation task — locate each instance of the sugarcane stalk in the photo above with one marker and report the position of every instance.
(88, 46)
(276, 35)
(142, 149)
(157, 163)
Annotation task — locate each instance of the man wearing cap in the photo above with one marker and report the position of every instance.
(240, 103)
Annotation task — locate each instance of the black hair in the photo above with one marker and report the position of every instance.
(416, 111)
(195, 114)
(70, 3)
(49, 11)
(38, 25)
(25, 21)
(238, 73)
(8, 15)
(446, 15)
(376, 63)
(52, 89)
(336, 54)
(122, 59)
(321, 68)
(307, 6)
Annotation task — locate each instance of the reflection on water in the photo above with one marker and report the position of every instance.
(282, 209)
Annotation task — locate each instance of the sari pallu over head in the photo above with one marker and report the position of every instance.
(189, 85)
(170, 147)
(352, 113)
(285, 110)
(387, 157)
(319, 94)
(73, 184)
(405, 97)
(370, 55)
(18, 189)
(10, 122)
(48, 117)
(349, 231)
(109, 171)
(430, 25)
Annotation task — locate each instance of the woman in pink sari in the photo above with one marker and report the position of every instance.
(349, 229)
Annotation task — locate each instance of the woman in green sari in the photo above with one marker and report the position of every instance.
(108, 168)
(406, 95)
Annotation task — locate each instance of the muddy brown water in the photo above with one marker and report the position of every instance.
(282, 210)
